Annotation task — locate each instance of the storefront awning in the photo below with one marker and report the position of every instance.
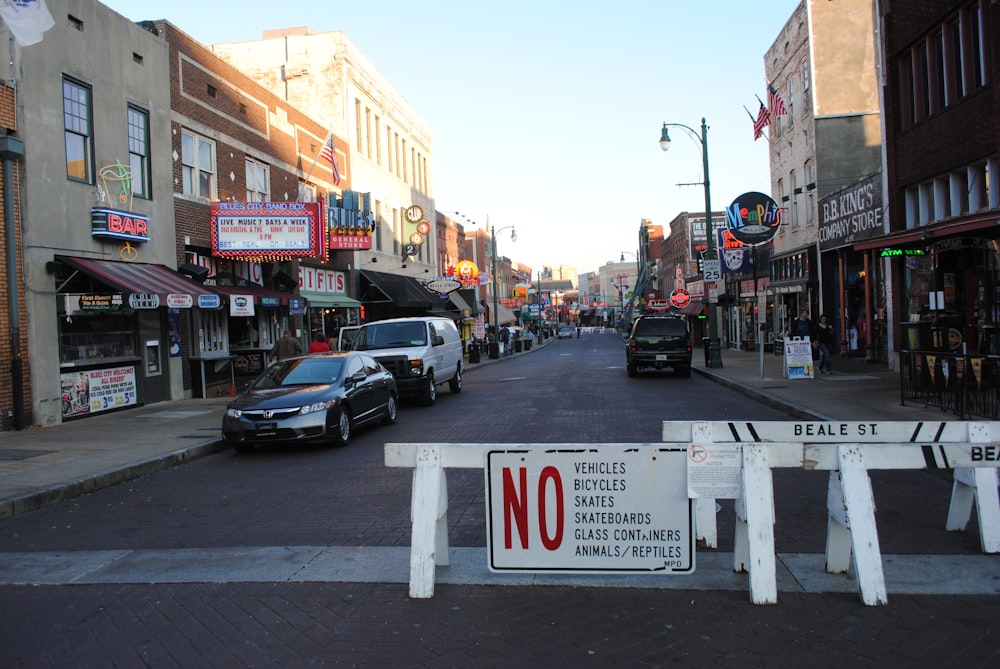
(261, 296)
(693, 308)
(328, 300)
(926, 233)
(403, 291)
(506, 315)
(137, 277)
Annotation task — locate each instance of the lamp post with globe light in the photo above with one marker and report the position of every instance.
(714, 348)
(495, 345)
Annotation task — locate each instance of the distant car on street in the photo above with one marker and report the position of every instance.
(312, 398)
(565, 332)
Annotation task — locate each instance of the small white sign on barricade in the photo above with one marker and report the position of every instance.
(715, 473)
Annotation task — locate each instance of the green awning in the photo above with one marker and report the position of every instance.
(327, 300)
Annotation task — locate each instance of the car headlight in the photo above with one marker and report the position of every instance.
(416, 367)
(318, 406)
(233, 413)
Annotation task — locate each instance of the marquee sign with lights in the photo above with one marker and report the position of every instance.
(268, 231)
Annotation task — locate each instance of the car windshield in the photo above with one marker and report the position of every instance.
(300, 372)
(390, 335)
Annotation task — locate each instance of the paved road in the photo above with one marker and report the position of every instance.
(162, 567)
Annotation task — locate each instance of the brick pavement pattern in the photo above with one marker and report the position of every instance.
(377, 625)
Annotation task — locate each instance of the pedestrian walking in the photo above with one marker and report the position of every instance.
(825, 337)
(803, 326)
(286, 347)
(319, 344)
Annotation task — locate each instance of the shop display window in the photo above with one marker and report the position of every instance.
(98, 339)
(211, 333)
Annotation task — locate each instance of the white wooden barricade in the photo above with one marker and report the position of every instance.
(429, 503)
(847, 450)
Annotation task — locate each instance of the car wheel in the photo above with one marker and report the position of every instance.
(455, 383)
(633, 369)
(430, 390)
(340, 428)
(243, 447)
(391, 408)
(683, 372)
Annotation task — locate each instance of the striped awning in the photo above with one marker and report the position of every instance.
(137, 277)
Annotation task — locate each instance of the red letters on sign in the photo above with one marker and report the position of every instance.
(515, 508)
(127, 225)
(518, 503)
(550, 542)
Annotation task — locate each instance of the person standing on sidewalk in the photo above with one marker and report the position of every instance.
(803, 326)
(824, 335)
(286, 347)
(319, 344)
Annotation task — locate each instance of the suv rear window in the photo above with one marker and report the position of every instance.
(660, 327)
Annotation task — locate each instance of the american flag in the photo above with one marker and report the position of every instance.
(777, 104)
(763, 120)
(328, 152)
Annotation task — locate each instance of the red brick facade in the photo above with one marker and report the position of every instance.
(12, 349)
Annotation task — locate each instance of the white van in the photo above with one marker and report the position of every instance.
(420, 352)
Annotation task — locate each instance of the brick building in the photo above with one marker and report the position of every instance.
(941, 65)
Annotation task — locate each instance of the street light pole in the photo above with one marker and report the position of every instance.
(714, 347)
(496, 298)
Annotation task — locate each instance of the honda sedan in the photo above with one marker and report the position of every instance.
(313, 398)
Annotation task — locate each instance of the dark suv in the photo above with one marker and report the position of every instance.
(658, 342)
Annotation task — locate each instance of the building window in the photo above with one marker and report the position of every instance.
(389, 151)
(198, 158)
(804, 69)
(944, 66)
(357, 125)
(790, 102)
(793, 179)
(810, 172)
(78, 132)
(138, 151)
(258, 182)
(307, 192)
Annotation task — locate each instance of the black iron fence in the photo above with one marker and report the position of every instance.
(966, 385)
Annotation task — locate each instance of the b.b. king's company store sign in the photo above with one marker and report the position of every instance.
(852, 214)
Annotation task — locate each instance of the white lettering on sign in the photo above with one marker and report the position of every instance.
(603, 510)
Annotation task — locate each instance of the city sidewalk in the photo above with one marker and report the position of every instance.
(42, 465)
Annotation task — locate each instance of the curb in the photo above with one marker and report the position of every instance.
(81, 485)
(794, 410)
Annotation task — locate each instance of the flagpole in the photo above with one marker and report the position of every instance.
(315, 160)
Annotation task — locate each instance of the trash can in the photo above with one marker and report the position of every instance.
(518, 345)
(473, 353)
(704, 341)
(494, 350)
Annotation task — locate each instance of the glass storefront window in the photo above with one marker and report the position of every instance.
(97, 339)
(211, 329)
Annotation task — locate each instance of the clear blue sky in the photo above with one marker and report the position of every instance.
(546, 114)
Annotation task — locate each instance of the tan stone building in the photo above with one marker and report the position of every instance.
(825, 151)
(328, 77)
